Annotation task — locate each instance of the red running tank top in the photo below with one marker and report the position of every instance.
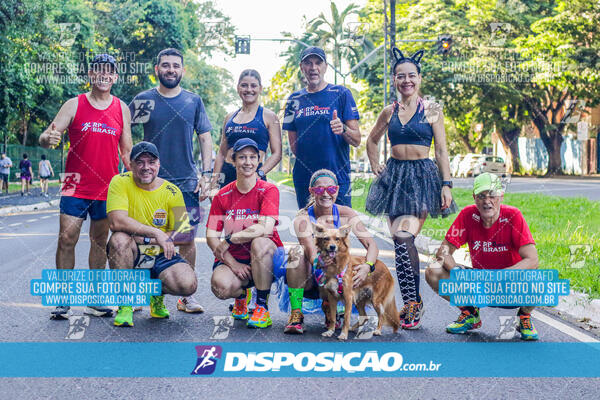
(93, 157)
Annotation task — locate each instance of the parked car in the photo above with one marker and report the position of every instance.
(466, 165)
(493, 164)
(454, 164)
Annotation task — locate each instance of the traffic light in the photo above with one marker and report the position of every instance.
(242, 45)
(444, 44)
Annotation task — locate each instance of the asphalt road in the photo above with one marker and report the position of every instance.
(28, 243)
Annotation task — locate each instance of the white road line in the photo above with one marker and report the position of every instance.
(46, 216)
(564, 328)
(31, 220)
(15, 224)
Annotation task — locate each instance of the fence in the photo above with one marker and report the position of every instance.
(15, 153)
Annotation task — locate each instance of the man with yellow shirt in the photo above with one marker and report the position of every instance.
(147, 216)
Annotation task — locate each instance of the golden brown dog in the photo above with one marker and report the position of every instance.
(377, 288)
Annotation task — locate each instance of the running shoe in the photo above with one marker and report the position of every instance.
(528, 331)
(98, 311)
(240, 309)
(157, 307)
(260, 318)
(413, 315)
(295, 323)
(189, 305)
(403, 312)
(138, 308)
(61, 312)
(124, 316)
(465, 322)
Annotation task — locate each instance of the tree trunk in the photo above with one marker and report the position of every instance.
(24, 125)
(510, 141)
(552, 140)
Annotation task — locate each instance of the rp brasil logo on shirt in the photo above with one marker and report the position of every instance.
(489, 247)
(241, 129)
(312, 110)
(242, 213)
(98, 127)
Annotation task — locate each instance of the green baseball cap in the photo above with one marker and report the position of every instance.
(487, 181)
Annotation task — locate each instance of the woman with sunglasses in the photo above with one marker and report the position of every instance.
(409, 186)
(250, 121)
(306, 265)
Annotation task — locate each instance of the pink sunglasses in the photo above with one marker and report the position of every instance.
(319, 190)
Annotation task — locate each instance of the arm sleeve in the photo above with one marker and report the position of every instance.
(116, 198)
(457, 234)
(289, 120)
(269, 206)
(521, 235)
(349, 109)
(202, 124)
(216, 215)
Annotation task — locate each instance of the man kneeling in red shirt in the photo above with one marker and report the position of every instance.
(498, 238)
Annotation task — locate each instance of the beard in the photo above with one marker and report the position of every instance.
(169, 84)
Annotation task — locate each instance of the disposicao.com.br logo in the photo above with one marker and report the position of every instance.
(291, 364)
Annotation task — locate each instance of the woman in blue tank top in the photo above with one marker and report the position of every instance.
(250, 121)
(410, 185)
(305, 264)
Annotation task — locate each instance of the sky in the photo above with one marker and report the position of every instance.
(266, 19)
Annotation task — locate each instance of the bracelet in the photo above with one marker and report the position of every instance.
(207, 172)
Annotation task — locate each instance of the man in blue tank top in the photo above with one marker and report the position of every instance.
(170, 116)
(322, 123)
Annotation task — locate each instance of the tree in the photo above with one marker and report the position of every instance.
(563, 60)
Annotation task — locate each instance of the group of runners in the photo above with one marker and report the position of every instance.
(155, 205)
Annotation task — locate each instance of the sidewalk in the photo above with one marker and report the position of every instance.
(14, 202)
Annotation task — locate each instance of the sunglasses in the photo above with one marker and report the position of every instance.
(319, 190)
(491, 195)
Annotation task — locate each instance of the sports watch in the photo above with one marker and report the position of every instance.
(447, 183)
(147, 240)
(261, 174)
(371, 266)
(228, 239)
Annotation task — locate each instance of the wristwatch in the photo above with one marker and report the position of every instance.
(207, 172)
(228, 239)
(447, 183)
(371, 266)
(261, 174)
(147, 240)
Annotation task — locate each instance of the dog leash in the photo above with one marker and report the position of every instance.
(340, 277)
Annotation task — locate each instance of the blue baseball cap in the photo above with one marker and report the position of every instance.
(313, 51)
(243, 143)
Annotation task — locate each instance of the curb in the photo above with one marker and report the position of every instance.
(29, 207)
(576, 306)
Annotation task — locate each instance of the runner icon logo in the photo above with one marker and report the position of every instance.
(207, 359)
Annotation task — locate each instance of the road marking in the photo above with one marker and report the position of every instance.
(564, 328)
(46, 216)
(31, 220)
(15, 224)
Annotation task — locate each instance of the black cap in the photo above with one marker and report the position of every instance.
(313, 51)
(104, 59)
(243, 143)
(141, 148)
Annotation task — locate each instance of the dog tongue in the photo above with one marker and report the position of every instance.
(332, 254)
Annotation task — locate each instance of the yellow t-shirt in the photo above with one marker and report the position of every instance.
(162, 208)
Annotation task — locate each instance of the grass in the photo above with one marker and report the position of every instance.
(566, 230)
(16, 187)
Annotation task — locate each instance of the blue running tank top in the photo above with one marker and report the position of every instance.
(255, 130)
(334, 211)
(416, 131)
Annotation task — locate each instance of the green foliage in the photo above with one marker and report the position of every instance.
(48, 44)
